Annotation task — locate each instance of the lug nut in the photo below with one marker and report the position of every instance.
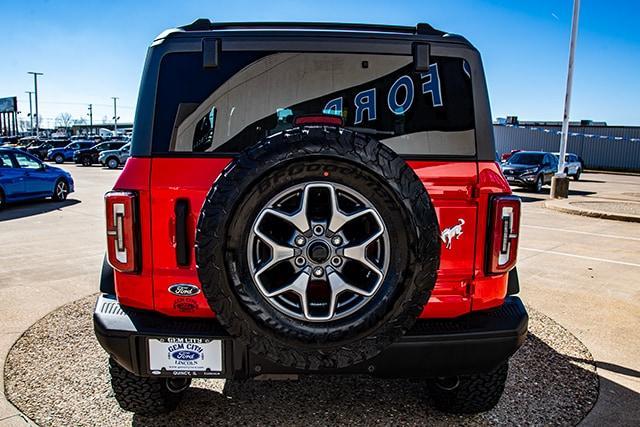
(300, 261)
(336, 261)
(300, 240)
(336, 240)
(318, 230)
(318, 271)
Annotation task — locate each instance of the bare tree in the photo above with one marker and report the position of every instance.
(64, 120)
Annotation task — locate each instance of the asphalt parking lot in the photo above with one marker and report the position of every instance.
(582, 272)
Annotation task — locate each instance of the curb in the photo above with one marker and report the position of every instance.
(563, 205)
(623, 173)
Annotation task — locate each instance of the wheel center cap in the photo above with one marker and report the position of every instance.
(318, 252)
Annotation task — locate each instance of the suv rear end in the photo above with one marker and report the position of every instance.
(227, 112)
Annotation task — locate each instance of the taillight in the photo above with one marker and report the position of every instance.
(504, 228)
(122, 230)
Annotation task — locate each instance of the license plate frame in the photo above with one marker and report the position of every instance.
(185, 356)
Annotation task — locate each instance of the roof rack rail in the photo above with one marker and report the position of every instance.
(204, 24)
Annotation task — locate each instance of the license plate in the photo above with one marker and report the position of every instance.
(511, 178)
(185, 355)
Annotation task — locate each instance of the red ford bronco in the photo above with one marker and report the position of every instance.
(307, 198)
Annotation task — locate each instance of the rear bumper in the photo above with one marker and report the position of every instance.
(474, 343)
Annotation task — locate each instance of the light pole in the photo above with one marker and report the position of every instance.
(90, 114)
(115, 116)
(560, 182)
(30, 111)
(35, 85)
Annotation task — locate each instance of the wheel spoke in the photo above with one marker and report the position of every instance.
(338, 285)
(359, 253)
(278, 251)
(339, 219)
(298, 286)
(299, 219)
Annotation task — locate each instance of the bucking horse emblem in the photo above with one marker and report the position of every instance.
(448, 234)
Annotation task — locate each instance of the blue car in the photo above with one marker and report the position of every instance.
(64, 154)
(24, 177)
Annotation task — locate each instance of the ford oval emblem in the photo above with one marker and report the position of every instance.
(185, 355)
(184, 289)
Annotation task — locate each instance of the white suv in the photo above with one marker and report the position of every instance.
(573, 165)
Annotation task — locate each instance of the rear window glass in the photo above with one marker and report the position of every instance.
(255, 95)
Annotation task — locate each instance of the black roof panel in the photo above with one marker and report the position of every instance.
(204, 24)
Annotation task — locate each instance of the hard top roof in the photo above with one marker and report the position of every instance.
(206, 25)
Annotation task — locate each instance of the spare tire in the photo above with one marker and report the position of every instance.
(317, 247)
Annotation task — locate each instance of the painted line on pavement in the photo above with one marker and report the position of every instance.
(610, 261)
(611, 236)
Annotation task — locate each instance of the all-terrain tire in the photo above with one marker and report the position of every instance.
(469, 394)
(293, 156)
(144, 396)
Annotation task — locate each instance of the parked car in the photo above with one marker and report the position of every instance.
(89, 156)
(41, 149)
(572, 166)
(306, 234)
(6, 141)
(25, 145)
(64, 154)
(60, 141)
(27, 141)
(531, 169)
(23, 177)
(505, 156)
(114, 158)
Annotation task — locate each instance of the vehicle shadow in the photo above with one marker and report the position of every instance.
(33, 207)
(545, 386)
(527, 196)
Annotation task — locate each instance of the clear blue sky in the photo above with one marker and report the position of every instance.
(93, 50)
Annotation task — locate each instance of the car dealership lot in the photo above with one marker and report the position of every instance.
(51, 254)
(583, 272)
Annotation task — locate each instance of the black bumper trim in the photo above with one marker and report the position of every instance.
(477, 342)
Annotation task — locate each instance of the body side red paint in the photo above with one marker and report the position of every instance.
(459, 191)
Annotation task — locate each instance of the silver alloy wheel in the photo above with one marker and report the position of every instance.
(112, 163)
(297, 240)
(61, 190)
